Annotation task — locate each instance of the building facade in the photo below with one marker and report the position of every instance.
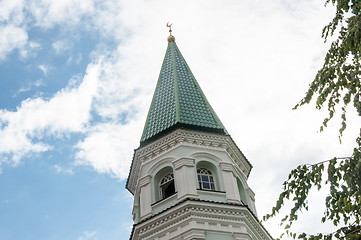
(188, 177)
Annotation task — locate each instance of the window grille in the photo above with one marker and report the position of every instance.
(166, 186)
(205, 179)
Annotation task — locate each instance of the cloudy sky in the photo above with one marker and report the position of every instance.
(76, 81)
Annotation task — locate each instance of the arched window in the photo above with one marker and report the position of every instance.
(205, 179)
(166, 186)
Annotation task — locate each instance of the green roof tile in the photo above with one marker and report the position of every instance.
(178, 100)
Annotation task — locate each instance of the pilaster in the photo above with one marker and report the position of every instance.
(145, 196)
(231, 188)
(185, 178)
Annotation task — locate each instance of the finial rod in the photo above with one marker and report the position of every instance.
(171, 38)
(170, 28)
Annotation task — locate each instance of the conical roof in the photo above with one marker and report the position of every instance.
(178, 101)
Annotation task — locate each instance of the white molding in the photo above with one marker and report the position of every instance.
(194, 234)
(209, 216)
(228, 167)
(241, 236)
(188, 138)
(144, 180)
(162, 201)
(183, 162)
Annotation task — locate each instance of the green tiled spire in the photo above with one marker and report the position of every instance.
(178, 100)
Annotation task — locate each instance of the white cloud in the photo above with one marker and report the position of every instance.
(16, 144)
(61, 170)
(48, 13)
(75, 59)
(17, 17)
(67, 111)
(23, 89)
(39, 83)
(108, 148)
(106, 90)
(88, 235)
(61, 45)
(120, 91)
(30, 86)
(29, 50)
(11, 37)
(13, 30)
(12, 11)
(44, 68)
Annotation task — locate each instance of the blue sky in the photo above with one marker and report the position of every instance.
(42, 196)
(76, 81)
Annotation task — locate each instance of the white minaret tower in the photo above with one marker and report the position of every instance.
(188, 177)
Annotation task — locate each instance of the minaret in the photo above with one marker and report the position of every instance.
(188, 177)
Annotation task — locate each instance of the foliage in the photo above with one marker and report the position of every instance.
(336, 84)
(343, 204)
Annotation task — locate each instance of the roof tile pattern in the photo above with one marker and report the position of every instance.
(162, 113)
(194, 109)
(178, 99)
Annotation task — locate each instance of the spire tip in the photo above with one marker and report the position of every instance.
(171, 38)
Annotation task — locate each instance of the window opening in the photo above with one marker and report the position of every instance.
(205, 179)
(166, 186)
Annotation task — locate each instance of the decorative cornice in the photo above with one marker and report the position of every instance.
(194, 234)
(226, 167)
(167, 221)
(183, 162)
(191, 138)
(144, 180)
(230, 213)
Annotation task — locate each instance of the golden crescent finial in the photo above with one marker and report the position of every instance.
(170, 28)
(171, 38)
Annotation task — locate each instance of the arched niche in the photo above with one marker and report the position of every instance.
(206, 156)
(158, 165)
(208, 165)
(211, 162)
(164, 183)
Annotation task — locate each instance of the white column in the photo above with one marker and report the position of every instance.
(145, 197)
(230, 183)
(185, 178)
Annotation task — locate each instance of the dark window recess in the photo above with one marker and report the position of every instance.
(166, 185)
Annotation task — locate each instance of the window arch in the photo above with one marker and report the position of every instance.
(166, 186)
(205, 179)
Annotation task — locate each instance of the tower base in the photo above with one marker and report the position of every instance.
(193, 219)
